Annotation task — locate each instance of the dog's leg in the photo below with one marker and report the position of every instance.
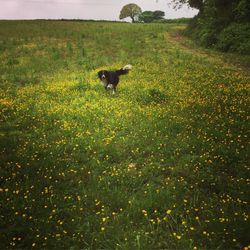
(114, 90)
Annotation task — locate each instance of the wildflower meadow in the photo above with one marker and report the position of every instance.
(162, 164)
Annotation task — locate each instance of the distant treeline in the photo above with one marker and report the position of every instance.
(64, 20)
(183, 20)
(85, 20)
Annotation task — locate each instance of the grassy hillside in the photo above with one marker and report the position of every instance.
(161, 164)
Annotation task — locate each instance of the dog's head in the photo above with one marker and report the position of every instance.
(103, 75)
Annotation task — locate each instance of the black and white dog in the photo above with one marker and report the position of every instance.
(110, 79)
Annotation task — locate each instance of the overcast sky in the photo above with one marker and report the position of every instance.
(82, 9)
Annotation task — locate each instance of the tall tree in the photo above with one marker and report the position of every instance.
(130, 10)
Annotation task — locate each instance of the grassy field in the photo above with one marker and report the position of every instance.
(160, 165)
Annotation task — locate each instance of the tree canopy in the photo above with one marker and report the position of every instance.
(197, 4)
(130, 10)
(234, 6)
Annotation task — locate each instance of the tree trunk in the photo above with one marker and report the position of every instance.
(133, 19)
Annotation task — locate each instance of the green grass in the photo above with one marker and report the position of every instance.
(160, 165)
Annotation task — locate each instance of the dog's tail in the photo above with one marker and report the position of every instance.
(124, 70)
